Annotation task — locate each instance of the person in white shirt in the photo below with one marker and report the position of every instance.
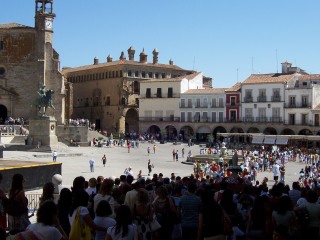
(54, 156)
(276, 172)
(128, 171)
(91, 162)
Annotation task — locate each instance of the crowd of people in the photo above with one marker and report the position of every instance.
(174, 207)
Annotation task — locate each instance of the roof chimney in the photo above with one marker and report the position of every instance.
(286, 67)
(122, 56)
(155, 56)
(143, 57)
(109, 58)
(131, 53)
(171, 61)
(96, 60)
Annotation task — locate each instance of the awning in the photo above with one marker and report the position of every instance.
(282, 141)
(203, 130)
(269, 140)
(257, 140)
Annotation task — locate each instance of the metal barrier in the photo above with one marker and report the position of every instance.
(33, 201)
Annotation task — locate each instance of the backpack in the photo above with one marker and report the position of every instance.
(13, 207)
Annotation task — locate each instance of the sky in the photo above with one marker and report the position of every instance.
(227, 40)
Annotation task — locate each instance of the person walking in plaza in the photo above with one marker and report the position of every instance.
(154, 149)
(282, 173)
(276, 172)
(54, 156)
(182, 152)
(150, 166)
(148, 150)
(91, 162)
(174, 155)
(104, 160)
(129, 146)
(177, 156)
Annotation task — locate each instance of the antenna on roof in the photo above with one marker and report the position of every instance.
(194, 59)
(237, 74)
(252, 64)
(277, 59)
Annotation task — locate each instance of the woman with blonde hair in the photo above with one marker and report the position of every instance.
(105, 193)
(143, 214)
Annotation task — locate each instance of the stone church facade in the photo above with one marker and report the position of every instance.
(108, 93)
(28, 61)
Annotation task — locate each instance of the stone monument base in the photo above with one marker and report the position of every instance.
(42, 130)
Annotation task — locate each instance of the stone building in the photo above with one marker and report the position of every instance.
(28, 61)
(108, 93)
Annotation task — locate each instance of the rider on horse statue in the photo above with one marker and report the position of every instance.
(45, 99)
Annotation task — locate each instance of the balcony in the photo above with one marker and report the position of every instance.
(275, 119)
(275, 98)
(297, 105)
(202, 106)
(232, 104)
(159, 119)
(185, 106)
(261, 99)
(248, 99)
(261, 119)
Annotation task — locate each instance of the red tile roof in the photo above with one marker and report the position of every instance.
(236, 87)
(309, 77)
(205, 91)
(13, 26)
(268, 78)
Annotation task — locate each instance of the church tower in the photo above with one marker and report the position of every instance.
(48, 61)
(44, 17)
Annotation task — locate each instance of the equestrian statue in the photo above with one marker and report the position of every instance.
(45, 100)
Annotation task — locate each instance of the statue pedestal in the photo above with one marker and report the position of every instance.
(43, 130)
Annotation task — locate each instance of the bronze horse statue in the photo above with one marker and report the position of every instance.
(45, 101)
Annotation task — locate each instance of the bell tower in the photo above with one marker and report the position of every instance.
(44, 17)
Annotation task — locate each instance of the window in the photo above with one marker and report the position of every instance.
(136, 87)
(220, 116)
(170, 92)
(136, 74)
(248, 114)
(198, 102)
(214, 102)
(148, 93)
(159, 94)
(156, 75)
(221, 102)
(183, 116)
(189, 119)
(143, 74)
(1, 46)
(232, 101)
(262, 114)
(204, 116)
(304, 119)
(197, 117)
(292, 100)
(2, 71)
(150, 75)
(304, 100)
(108, 101)
(163, 75)
(129, 73)
(183, 103)
(189, 103)
(214, 117)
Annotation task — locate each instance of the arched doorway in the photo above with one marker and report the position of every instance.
(287, 131)
(170, 133)
(203, 133)
(132, 121)
(218, 130)
(270, 131)
(253, 130)
(186, 132)
(236, 138)
(305, 132)
(3, 113)
(154, 131)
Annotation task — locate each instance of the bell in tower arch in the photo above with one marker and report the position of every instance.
(44, 6)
